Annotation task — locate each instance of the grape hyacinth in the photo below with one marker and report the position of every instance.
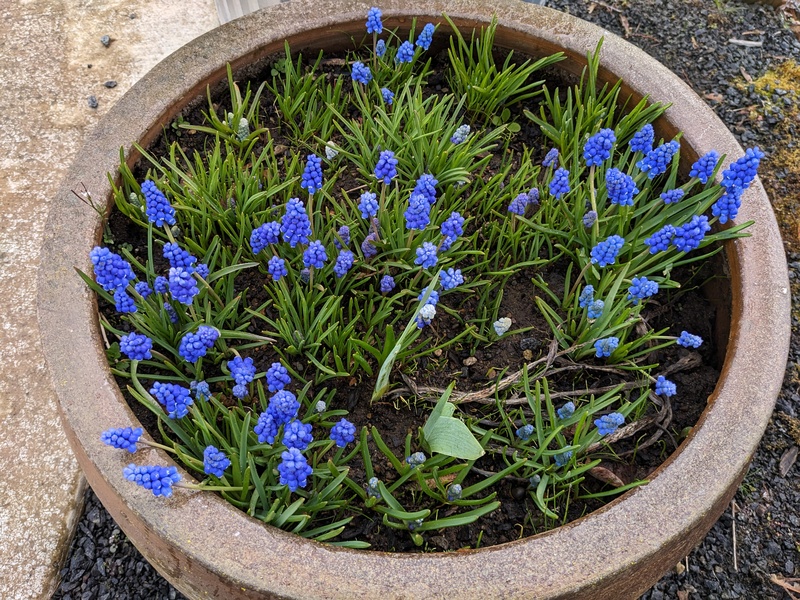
(454, 492)
(201, 390)
(368, 246)
(295, 225)
(158, 209)
(136, 346)
(426, 36)
(658, 160)
(605, 253)
(374, 24)
(551, 158)
(427, 255)
(608, 424)
(642, 140)
(661, 239)
(175, 398)
(453, 226)
(111, 271)
(563, 458)
(598, 147)
(297, 434)
(433, 298)
(157, 479)
(416, 459)
(311, 180)
(172, 314)
(123, 303)
(519, 204)
(704, 167)
(161, 284)
(426, 314)
(215, 462)
(283, 406)
(242, 370)
(122, 438)
(461, 134)
(277, 377)
(451, 278)
(741, 173)
(566, 411)
(586, 297)
(386, 169)
(344, 262)
(193, 346)
(405, 53)
(266, 428)
(621, 187)
(688, 340)
(380, 48)
(387, 95)
(262, 236)
(605, 347)
(342, 234)
(343, 432)
(294, 469)
(688, 236)
(426, 185)
(589, 218)
(277, 268)
(559, 185)
(418, 212)
(664, 387)
(595, 309)
(178, 257)
(525, 432)
(727, 206)
(315, 255)
(143, 289)
(641, 288)
(182, 285)
(672, 196)
(361, 73)
(387, 284)
(533, 196)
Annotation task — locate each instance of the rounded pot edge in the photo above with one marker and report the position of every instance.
(207, 548)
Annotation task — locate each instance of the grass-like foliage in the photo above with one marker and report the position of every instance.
(344, 227)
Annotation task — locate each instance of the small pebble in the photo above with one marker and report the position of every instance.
(469, 361)
(106, 41)
(92, 102)
(110, 84)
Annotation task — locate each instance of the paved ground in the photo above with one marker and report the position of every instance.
(51, 61)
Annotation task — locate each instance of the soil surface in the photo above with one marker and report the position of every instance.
(748, 85)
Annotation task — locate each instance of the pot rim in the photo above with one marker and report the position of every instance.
(205, 546)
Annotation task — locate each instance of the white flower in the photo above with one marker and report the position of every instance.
(427, 312)
(321, 406)
(502, 325)
(330, 151)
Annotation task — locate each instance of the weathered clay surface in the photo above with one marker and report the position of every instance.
(207, 548)
(46, 47)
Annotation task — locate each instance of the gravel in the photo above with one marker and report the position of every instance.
(756, 541)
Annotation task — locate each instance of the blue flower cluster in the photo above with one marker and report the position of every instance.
(157, 479)
(243, 371)
(182, 285)
(368, 248)
(311, 179)
(122, 438)
(426, 185)
(566, 411)
(559, 185)
(277, 268)
(525, 432)
(562, 458)
(595, 309)
(664, 387)
(157, 207)
(405, 53)
(598, 147)
(451, 278)
(418, 213)
(589, 218)
(387, 95)
(344, 262)
(427, 255)
(672, 196)
(297, 434)
(343, 432)
(519, 204)
(143, 289)
(342, 234)
(621, 187)
(111, 271)
(201, 390)
(262, 236)
(641, 288)
(368, 205)
(742, 172)
(195, 345)
(551, 158)
(283, 406)
(175, 398)
(453, 226)
(461, 134)
(374, 23)
(606, 346)
(426, 36)
(416, 459)
(386, 168)
(704, 167)
(661, 239)
(658, 160)
(727, 206)
(642, 140)
(215, 462)
(586, 297)
(688, 340)
(315, 255)
(361, 73)
(277, 377)
(136, 346)
(689, 235)
(294, 469)
(380, 48)
(295, 225)
(608, 424)
(605, 253)
(123, 303)
(178, 257)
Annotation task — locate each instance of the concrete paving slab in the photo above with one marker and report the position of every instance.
(51, 62)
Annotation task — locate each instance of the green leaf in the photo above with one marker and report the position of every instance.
(448, 435)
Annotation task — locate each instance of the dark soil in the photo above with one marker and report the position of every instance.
(694, 43)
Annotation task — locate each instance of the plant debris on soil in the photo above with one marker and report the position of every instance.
(752, 551)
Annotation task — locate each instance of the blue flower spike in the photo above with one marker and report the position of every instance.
(374, 23)
(155, 478)
(608, 424)
(215, 462)
(311, 179)
(598, 148)
(386, 169)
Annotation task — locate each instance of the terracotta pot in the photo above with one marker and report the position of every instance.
(206, 548)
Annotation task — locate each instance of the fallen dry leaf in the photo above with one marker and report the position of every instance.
(713, 96)
(746, 75)
(606, 476)
(787, 460)
(625, 25)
